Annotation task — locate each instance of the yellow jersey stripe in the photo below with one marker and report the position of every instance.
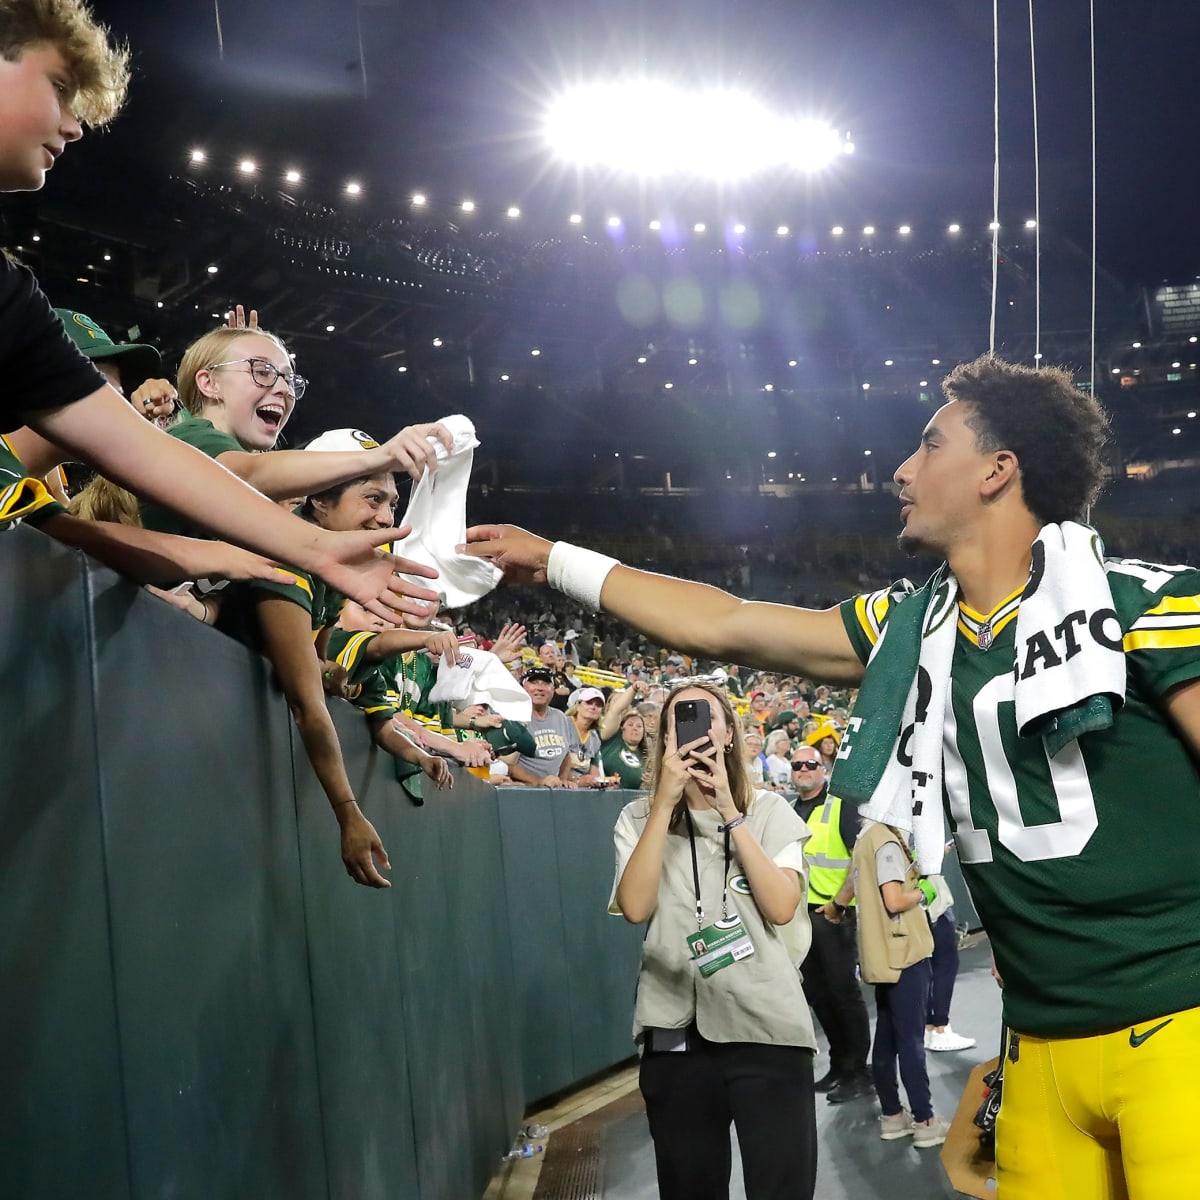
(1161, 639)
(983, 618)
(1172, 604)
(352, 649)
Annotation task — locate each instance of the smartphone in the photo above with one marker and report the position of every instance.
(693, 719)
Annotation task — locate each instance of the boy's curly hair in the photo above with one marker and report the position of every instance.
(99, 66)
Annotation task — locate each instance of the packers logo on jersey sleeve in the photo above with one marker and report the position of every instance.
(740, 884)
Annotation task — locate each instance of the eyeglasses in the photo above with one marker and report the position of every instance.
(809, 764)
(265, 373)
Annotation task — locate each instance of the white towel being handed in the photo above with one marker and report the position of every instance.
(479, 677)
(437, 512)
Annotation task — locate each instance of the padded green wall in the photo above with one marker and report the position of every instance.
(196, 1001)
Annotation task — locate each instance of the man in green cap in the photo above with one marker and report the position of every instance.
(134, 369)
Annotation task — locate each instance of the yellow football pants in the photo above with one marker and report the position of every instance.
(1111, 1117)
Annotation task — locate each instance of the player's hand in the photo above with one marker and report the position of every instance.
(155, 398)
(412, 451)
(438, 770)
(509, 641)
(235, 318)
(353, 564)
(521, 555)
(361, 847)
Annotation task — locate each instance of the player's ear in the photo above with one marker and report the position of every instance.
(1003, 470)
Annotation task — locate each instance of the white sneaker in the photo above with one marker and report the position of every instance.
(947, 1040)
(930, 1133)
(896, 1126)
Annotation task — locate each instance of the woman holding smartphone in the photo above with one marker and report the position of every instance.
(715, 869)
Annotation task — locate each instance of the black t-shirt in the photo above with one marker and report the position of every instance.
(40, 365)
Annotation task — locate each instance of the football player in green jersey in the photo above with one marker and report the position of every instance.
(1081, 864)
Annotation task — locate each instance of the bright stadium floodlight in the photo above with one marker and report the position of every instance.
(652, 129)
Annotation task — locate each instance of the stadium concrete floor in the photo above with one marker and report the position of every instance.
(853, 1163)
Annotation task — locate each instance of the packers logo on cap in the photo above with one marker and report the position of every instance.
(365, 440)
(91, 328)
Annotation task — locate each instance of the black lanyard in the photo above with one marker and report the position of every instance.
(696, 874)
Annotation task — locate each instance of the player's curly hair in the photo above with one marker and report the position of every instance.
(99, 66)
(1057, 432)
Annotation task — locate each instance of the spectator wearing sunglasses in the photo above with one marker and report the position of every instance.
(830, 983)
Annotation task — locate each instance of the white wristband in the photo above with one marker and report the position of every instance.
(578, 573)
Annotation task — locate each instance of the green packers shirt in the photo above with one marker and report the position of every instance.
(22, 498)
(1083, 867)
(195, 431)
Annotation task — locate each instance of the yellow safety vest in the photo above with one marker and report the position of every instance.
(827, 855)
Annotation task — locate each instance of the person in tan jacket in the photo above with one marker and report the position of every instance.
(894, 950)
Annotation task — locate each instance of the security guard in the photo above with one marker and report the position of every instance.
(829, 971)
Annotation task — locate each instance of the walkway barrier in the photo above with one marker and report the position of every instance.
(195, 1001)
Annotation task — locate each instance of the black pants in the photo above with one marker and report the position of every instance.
(766, 1091)
(945, 969)
(900, 1040)
(831, 987)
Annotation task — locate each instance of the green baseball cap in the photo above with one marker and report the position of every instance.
(136, 363)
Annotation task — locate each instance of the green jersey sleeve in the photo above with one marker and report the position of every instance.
(22, 498)
(864, 617)
(197, 432)
(1159, 610)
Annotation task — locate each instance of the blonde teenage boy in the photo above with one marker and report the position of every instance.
(59, 71)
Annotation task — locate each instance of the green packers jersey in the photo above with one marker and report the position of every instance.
(195, 431)
(619, 759)
(1083, 867)
(22, 498)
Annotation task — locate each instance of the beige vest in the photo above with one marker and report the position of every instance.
(886, 943)
(756, 1000)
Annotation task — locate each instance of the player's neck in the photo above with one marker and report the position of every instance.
(994, 564)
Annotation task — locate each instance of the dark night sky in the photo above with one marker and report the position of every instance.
(454, 88)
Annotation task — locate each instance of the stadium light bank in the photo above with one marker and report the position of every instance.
(655, 129)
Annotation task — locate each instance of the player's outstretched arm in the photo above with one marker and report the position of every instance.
(105, 431)
(693, 617)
